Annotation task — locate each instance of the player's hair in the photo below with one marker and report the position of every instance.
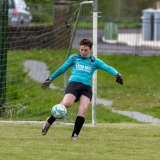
(87, 42)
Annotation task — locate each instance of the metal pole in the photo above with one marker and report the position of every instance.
(75, 27)
(71, 41)
(94, 80)
(72, 37)
(3, 53)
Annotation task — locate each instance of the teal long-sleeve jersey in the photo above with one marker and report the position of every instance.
(82, 68)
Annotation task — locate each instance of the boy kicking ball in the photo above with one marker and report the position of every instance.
(79, 84)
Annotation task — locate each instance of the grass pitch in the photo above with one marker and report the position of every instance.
(123, 141)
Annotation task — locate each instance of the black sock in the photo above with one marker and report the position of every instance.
(51, 119)
(78, 125)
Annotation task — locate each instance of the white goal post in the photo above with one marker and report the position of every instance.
(94, 80)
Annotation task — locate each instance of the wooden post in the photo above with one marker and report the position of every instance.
(61, 32)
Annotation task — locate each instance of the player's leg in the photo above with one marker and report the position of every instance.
(67, 101)
(84, 102)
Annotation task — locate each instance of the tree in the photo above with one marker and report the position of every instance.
(134, 8)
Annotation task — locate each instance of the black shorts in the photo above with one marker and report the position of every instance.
(78, 89)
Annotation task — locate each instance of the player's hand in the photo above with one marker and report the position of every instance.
(119, 78)
(46, 83)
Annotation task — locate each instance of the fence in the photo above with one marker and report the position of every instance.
(129, 38)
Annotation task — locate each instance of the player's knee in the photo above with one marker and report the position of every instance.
(67, 104)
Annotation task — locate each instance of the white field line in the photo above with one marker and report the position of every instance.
(38, 122)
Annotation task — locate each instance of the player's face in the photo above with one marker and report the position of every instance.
(85, 50)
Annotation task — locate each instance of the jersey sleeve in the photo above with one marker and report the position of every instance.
(103, 66)
(63, 68)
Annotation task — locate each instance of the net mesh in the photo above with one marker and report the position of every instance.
(34, 52)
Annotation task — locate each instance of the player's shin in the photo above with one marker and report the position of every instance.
(77, 127)
(51, 119)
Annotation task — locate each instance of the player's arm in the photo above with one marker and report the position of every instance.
(103, 66)
(63, 68)
(57, 73)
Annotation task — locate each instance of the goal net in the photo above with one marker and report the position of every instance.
(31, 52)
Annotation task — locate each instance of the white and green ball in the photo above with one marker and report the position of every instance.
(59, 111)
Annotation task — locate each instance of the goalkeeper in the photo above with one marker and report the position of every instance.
(79, 84)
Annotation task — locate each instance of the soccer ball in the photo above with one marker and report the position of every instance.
(58, 111)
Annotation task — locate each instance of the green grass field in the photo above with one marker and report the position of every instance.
(109, 141)
(116, 137)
